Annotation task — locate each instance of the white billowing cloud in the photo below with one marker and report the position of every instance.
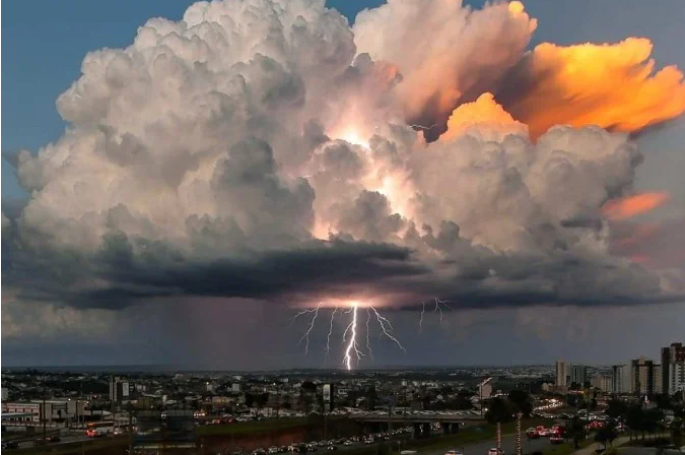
(250, 129)
(446, 51)
(199, 121)
(513, 195)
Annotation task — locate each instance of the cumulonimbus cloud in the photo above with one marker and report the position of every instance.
(263, 149)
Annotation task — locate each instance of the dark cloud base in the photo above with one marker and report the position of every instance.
(120, 275)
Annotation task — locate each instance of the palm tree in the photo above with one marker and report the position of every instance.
(576, 431)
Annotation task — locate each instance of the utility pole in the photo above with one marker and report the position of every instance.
(480, 392)
(499, 438)
(518, 433)
(45, 420)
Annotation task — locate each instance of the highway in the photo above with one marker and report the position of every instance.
(508, 445)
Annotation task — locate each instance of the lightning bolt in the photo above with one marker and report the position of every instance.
(438, 309)
(352, 344)
(353, 351)
(421, 127)
(382, 321)
(330, 332)
(305, 336)
(368, 331)
(423, 311)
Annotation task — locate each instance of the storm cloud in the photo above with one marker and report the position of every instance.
(264, 150)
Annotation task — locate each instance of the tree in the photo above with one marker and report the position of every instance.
(635, 419)
(652, 420)
(606, 434)
(663, 401)
(617, 409)
(575, 430)
(499, 411)
(308, 386)
(371, 397)
(520, 399)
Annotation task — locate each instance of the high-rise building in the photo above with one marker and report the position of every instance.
(561, 374)
(672, 365)
(602, 383)
(676, 378)
(578, 375)
(119, 390)
(646, 377)
(621, 379)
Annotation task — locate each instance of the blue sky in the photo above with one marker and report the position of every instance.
(45, 42)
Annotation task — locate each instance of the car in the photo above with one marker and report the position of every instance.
(453, 452)
(348, 443)
(53, 438)
(331, 448)
(10, 445)
(494, 451)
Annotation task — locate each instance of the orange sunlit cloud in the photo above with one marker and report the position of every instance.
(630, 206)
(483, 112)
(614, 86)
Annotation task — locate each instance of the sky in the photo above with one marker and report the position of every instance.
(45, 44)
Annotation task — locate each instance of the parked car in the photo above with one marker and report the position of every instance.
(494, 451)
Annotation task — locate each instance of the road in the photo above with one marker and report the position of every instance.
(508, 445)
(63, 440)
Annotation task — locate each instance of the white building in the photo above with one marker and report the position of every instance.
(603, 383)
(621, 379)
(647, 377)
(485, 388)
(55, 412)
(579, 375)
(676, 378)
(561, 374)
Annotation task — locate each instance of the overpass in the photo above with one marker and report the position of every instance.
(421, 421)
